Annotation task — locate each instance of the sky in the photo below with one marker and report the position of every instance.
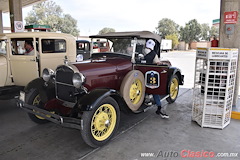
(132, 15)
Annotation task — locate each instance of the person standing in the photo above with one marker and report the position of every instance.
(214, 42)
(151, 57)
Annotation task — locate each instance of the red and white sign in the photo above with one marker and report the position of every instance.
(230, 17)
(18, 26)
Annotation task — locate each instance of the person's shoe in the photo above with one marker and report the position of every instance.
(158, 112)
(164, 115)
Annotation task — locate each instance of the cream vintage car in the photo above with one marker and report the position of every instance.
(17, 68)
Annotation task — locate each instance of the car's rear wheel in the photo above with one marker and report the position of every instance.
(173, 89)
(100, 124)
(133, 89)
(33, 98)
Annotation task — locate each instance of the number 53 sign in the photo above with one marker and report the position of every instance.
(152, 79)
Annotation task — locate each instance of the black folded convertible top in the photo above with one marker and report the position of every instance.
(137, 34)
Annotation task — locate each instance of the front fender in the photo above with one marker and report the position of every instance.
(46, 90)
(92, 99)
(37, 83)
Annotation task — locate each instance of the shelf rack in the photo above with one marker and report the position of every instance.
(214, 80)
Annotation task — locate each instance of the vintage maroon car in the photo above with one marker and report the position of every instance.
(89, 95)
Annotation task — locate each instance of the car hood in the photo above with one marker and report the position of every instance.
(104, 72)
(102, 65)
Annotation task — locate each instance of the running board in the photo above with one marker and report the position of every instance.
(165, 97)
(144, 107)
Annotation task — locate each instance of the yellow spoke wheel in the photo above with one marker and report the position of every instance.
(33, 98)
(100, 123)
(133, 89)
(135, 92)
(37, 101)
(103, 122)
(173, 89)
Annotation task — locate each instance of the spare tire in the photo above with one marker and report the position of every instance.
(133, 89)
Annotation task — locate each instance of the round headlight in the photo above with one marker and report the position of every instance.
(47, 73)
(78, 80)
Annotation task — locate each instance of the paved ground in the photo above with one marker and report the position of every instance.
(186, 62)
(22, 139)
(140, 136)
(160, 136)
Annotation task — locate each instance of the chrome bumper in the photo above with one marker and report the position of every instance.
(61, 120)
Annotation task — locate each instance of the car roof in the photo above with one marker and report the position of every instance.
(83, 41)
(137, 34)
(36, 34)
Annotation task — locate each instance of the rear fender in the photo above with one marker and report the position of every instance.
(91, 100)
(177, 71)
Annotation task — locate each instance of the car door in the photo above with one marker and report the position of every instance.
(155, 78)
(83, 50)
(3, 70)
(3, 62)
(52, 52)
(24, 67)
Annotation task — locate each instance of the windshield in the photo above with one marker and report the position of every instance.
(119, 45)
(123, 46)
(3, 47)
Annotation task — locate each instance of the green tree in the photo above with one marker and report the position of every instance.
(205, 31)
(106, 30)
(174, 39)
(191, 32)
(214, 31)
(67, 21)
(48, 13)
(167, 27)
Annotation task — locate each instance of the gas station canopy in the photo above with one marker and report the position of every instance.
(4, 7)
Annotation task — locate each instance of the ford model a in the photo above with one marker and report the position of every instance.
(89, 95)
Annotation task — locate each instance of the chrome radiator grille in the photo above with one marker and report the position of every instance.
(64, 86)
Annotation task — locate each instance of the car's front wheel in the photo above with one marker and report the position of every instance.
(173, 89)
(100, 124)
(33, 98)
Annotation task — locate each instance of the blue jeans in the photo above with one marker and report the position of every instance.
(157, 99)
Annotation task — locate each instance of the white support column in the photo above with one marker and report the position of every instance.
(233, 40)
(1, 22)
(15, 8)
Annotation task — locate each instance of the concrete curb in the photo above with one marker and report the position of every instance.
(235, 115)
